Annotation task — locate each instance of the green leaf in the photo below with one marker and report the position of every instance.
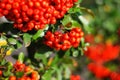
(12, 41)
(19, 74)
(3, 62)
(82, 42)
(21, 57)
(6, 79)
(74, 10)
(75, 23)
(39, 56)
(59, 74)
(47, 75)
(67, 53)
(15, 36)
(48, 53)
(19, 45)
(6, 73)
(10, 66)
(75, 53)
(38, 34)
(27, 39)
(55, 61)
(66, 20)
(67, 72)
(58, 71)
(81, 51)
(88, 11)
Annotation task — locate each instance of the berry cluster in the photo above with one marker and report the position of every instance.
(29, 73)
(100, 71)
(19, 66)
(34, 14)
(115, 76)
(63, 41)
(102, 53)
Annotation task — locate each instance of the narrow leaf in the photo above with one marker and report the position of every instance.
(21, 57)
(38, 34)
(27, 39)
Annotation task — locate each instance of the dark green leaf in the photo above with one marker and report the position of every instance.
(19, 74)
(67, 53)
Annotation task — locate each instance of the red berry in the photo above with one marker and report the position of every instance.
(24, 7)
(15, 5)
(1, 73)
(8, 6)
(2, 5)
(30, 4)
(29, 12)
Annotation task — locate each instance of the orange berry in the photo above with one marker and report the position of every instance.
(28, 69)
(34, 75)
(12, 78)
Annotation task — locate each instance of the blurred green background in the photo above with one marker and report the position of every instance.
(104, 26)
(107, 17)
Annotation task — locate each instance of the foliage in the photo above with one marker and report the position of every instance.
(69, 40)
(51, 63)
